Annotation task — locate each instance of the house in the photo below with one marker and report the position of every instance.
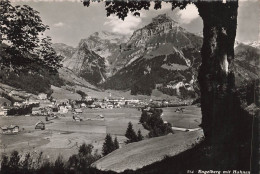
(42, 96)
(110, 106)
(12, 129)
(88, 98)
(77, 119)
(78, 111)
(40, 125)
(32, 100)
(83, 105)
(4, 130)
(17, 104)
(3, 111)
(63, 109)
(36, 111)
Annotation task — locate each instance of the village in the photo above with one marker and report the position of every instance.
(50, 108)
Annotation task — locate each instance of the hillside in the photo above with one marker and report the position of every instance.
(149, 151)
(163, 55)
(167, 58)
(107, 45)
(64, 50)
(87, 64)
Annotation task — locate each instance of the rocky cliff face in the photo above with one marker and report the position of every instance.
(161, 55)
(64, 50)
(246, 64)
(107, 45)
(87, 64)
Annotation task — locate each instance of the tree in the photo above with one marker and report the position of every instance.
(82, 94)
(130, 133)
(222, 113)
(59, 166)
(4, 164)
(215, 77)
(139, 135)
(116, 144)
(108, 145)
(21, 46)
(14, 162)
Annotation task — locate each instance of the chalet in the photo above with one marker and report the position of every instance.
(63, 109)
(17, 104)
(78, 111)
(42, 96)
(36, 111)
(83, 105)
(110, 106)
(88, 98)
(3, 111)
(12, 129)
(40, 125)
(103, 106)
(77, 119)
(4, 130)
(92, 106)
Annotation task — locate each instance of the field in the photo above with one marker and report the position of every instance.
(137, 155)
(190, 118)
(64, 135)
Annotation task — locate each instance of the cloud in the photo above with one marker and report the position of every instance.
(59, 24)
(188, 14)
(124, 27)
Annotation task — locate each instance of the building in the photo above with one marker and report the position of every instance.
(12, 129)
(77, 118)
(83, 105)
(63, 109)
(40, 125)
(78, 111)
(17, 104)
(36, 111)
(42, 96)
(3, 111)
(110, 106)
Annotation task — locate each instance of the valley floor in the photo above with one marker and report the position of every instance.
(63, 136)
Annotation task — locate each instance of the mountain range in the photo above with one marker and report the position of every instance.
(161, 55)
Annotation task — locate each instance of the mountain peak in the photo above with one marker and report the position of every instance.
(162, 18)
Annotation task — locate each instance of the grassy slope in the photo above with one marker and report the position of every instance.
(146, 152)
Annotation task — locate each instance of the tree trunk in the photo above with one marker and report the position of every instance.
(215, 76)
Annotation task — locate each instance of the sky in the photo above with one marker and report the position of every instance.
(70, 21)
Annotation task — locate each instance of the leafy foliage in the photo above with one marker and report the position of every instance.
(31, 82)
(122, 8)
(81, 93)
(109, 145)
(31, 164)
(130, 134)
(116, 144)
(21, 45)
(139, 135)
(152, 121)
